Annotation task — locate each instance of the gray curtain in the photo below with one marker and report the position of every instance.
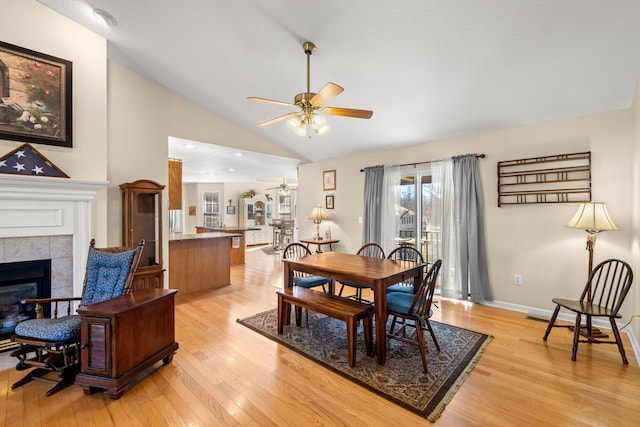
(372, 212)
(472, 257)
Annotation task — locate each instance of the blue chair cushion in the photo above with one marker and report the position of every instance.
(399, 302)
(310, 281)
(60, 329)
(107, 274)
(399, 287)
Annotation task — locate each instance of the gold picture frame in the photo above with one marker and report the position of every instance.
(329, 180)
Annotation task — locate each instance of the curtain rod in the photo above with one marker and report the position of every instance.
(480, 156)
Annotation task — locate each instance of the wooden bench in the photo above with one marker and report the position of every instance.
(349, 311)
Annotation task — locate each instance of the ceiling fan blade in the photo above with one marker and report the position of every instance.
(271, 101)
(347, 112)
(326, 94)
(276, 119)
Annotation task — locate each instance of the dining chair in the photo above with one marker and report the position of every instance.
(405, 253)
(414, 311)
(295, 251)
(53, 344)
(603, 295)
(371, 250)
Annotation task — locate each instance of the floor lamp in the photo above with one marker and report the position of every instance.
(593, 218)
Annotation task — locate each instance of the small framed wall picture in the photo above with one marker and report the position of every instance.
(329, 202)
(329, 180)
(231, 210)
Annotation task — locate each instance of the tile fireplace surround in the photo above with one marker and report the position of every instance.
(48, 218)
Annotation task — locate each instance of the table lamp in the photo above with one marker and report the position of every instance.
(317, 215)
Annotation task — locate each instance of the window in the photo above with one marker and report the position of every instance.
(211, 209)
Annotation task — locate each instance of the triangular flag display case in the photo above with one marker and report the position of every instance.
(26, 160)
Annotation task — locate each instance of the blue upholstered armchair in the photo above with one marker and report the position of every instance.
(52, 344)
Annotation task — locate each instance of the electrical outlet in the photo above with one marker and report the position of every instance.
(517, 279)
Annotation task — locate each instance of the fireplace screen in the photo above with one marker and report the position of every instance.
(20, 281)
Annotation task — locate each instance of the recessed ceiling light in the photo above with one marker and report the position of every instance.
(238, 154)
(232, 170)
(105, 17)
(188, 145)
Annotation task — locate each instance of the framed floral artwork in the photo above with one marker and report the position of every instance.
(329, 202)
(329, 180)
(35, 97)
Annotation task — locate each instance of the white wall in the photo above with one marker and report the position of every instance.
(28, 24)
(530, 240)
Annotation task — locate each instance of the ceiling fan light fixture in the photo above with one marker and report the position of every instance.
(318, 121)
(297, 125)
(319, 124)
(294, 122)
(321, 130)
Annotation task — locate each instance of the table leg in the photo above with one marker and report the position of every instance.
(288, 283)
(380, 304)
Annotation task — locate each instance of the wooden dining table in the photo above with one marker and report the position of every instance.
(374, 273)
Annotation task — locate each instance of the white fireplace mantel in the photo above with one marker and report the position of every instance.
(33, 206)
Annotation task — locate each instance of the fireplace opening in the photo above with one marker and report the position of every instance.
(20, 281)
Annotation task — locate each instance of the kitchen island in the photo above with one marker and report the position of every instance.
(199, 261)
(238, 246)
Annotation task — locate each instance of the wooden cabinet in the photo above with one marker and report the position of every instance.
(123, 336)
(142, 219)
(175, 184)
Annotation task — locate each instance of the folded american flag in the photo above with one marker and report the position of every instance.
(26, 160)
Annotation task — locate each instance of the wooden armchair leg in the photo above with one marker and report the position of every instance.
(31, 375)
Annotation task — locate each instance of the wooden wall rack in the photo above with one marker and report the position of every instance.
(562, 178)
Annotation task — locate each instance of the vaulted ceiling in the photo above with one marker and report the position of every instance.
(429, 69)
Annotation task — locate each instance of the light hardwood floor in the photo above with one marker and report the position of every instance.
(226, 375)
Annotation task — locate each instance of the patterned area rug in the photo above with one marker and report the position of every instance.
(401, 379)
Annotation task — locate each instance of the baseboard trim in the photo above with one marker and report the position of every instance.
(538, 313)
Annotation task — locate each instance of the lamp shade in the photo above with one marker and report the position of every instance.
(318, 214)
(592, 217)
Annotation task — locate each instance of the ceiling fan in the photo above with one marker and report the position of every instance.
(284, 187)
(310, 104)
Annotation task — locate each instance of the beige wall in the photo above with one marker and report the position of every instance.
(142, 116)
(635, 200)
(530, 240)
(193, 196)
(28, 24)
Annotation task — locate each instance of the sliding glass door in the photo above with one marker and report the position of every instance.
(416, 193)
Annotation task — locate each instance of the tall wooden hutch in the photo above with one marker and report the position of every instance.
(142, 219)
